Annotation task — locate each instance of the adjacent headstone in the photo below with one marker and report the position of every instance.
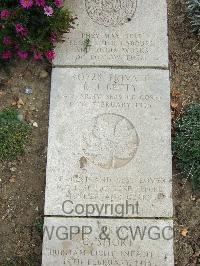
(92, 242)
(109, 151)
(116, 33)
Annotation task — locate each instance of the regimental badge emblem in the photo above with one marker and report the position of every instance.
(111, 13)
(111, 142)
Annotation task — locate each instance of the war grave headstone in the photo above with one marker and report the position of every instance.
(109, 142)
(116, 33)
(108, 197)
(107, 242)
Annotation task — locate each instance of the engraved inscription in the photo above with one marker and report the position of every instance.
(107, 242)
(112, 143)
(111, 12)
(104, 124)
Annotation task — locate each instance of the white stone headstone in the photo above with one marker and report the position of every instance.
(109, 143)
(107, 242)
(116, 33)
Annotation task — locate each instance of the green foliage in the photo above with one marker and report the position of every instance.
(39, 226)
(87, 45)
(193, 10)
(13, 134)
(186, 144)
(40, 31)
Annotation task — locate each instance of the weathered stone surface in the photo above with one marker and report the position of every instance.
(128, 242)
(116, 33)
(109, 143)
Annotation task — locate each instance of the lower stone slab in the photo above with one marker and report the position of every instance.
(92, 241)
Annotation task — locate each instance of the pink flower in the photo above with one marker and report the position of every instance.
(21, 29)
(6, 55)
(53, 38)
(50, 54)
(5, 13)
(24, 33)
(22, 54)
(26, 3)
(17, 46)
(48, 10)
(58, 3)
(40, 2)
(7, 40)
(37, 55)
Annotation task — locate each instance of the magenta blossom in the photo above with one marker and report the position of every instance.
(48, 10)
(40, 2)
(50, 54)
(53, 38)
(7, 40)
(6, 55)
(37, 55)
(24, 33)
(22, 54)
(16, 46)
(26, 3)
(5, 13)
(58, 3)
(21, 29)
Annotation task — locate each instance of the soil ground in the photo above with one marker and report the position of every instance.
(22, 199)
(22, 182)
(184, 56)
